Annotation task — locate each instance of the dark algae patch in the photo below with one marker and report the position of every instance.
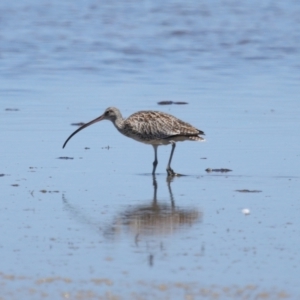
(11, 109)
(165, 102)
(45, 191)
(222, 170)
(169, 102)
(249, 191)
(77, 124)
(180, 102)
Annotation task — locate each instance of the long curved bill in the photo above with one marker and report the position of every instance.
(82, 127)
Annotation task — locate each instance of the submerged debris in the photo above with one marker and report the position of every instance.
(248, 191)
(169, 102)
(1, 175)
(65, 157)
(222, 170)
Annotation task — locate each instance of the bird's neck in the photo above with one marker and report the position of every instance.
(119, 123)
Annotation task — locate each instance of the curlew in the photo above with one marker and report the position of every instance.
(150, 127)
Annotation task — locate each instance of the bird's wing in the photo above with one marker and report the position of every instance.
(157, 125)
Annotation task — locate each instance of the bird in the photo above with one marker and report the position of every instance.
(150, 127)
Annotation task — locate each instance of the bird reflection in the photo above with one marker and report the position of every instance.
(155, 218)
(148, 224)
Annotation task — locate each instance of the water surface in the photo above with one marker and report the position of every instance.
(97, 225)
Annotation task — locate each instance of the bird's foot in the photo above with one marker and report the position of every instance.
(171, 173)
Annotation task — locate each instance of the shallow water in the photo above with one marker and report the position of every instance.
(97, 226)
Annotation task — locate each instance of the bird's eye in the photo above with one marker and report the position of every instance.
(107, 112)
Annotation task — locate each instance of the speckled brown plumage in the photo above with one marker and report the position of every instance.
(155, 127)
(150, 127)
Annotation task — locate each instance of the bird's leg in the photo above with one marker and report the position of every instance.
(169, 170)
(155, 189)
(169, 180)
(155, 159)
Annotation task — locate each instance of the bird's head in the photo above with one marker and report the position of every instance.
(111, 113)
